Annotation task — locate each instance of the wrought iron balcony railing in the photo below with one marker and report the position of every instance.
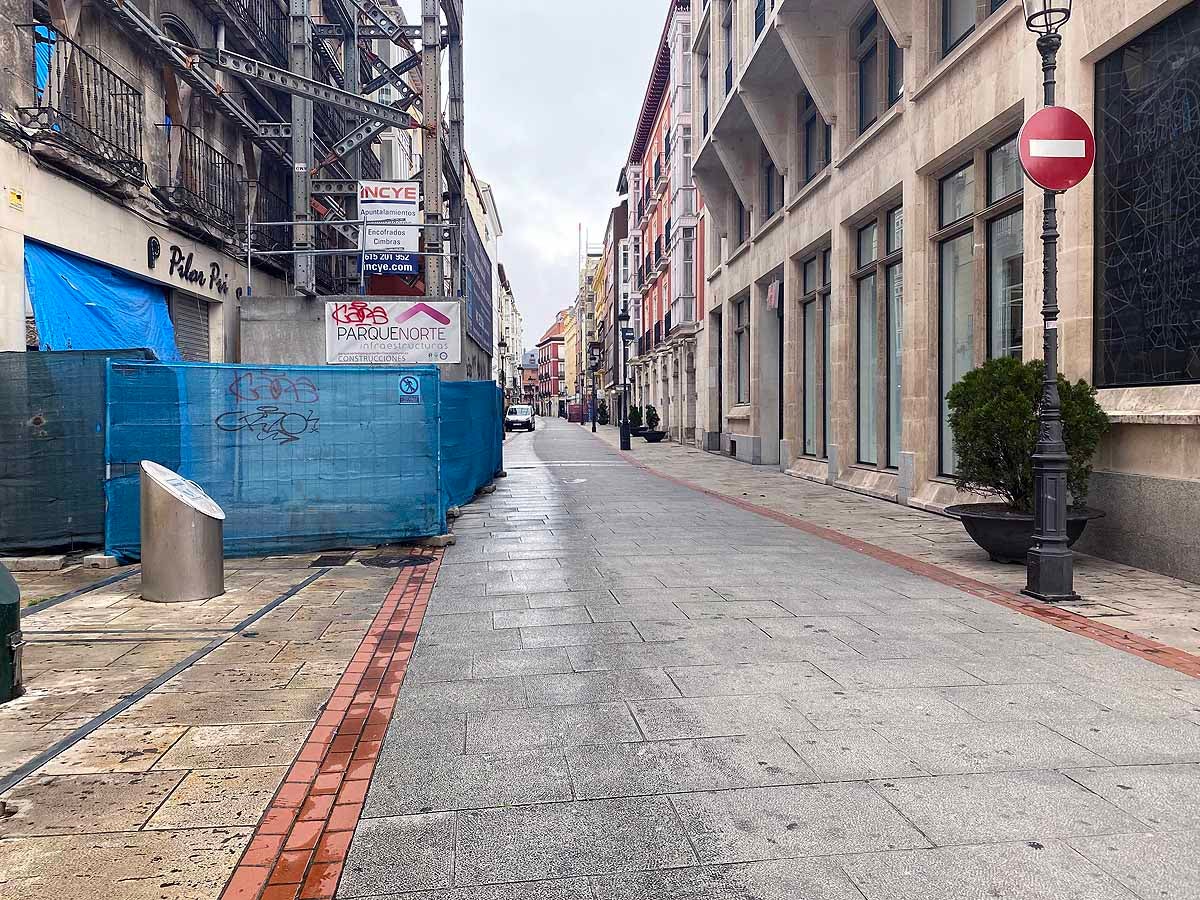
(202, 180)
(84, 106)
(266, 21)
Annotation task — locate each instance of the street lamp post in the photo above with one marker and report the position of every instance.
(1049, 564)
(622, 326)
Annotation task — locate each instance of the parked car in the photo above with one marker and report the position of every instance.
(519, 417)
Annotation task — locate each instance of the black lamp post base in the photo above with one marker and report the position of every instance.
(1050, 577)
(625, 438)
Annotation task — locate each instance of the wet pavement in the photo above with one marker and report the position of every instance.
(624, 688)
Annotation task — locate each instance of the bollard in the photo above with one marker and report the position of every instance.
(183, 554)
(11, 643)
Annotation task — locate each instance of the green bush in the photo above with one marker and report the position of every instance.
(635, 417)
(652, 418)
(602, 412)
(994, 417)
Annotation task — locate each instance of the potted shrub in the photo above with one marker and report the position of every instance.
(652, 434)
(994, 417)
(635, 420)
(602, 413)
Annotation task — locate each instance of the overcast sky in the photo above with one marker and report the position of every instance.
(553, 89)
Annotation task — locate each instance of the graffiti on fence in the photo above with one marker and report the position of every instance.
(270, 423)
(275, 386)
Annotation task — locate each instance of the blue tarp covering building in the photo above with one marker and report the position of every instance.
(79, 304)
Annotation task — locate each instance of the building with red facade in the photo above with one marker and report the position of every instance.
(666, 236)
(551, 357)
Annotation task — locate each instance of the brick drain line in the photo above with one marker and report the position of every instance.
(300, 844)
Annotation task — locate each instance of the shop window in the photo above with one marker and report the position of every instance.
(879, 283)
(742, 350)
(1147, 303)
(814, 304)
(981, 295)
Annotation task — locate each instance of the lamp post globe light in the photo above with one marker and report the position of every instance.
(1049, 574)
(622, 326)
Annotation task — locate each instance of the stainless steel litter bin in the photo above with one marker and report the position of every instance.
(183, 532)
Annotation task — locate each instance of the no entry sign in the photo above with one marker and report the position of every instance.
(1057, 148)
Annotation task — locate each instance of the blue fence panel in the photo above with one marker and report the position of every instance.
(472, 438)
(299, 457)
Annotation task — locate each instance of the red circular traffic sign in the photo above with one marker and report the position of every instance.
(1057, 148)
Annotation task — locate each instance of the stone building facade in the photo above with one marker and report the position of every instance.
(871, 238)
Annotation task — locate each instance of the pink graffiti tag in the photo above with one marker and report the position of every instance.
(359, 313)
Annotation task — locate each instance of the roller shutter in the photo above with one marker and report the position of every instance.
(190, 315)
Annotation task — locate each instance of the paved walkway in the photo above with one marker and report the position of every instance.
(624, 688)
(1156, 606)
(153, 737)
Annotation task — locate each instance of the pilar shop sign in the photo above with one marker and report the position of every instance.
(391, 233)
(392, 333)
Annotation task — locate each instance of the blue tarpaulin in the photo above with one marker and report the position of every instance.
(472, 438)
(79, 304)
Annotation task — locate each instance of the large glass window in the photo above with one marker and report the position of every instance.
(1148, 206)
(867, 371)
(826, 358)
(815, 282)
(810, 378)
(895, 334)
(984, 289)
(742, 350)
(817, 142)
(879, 285)
(1006, 284)
(961, 17)
(880, 64)
(957, 298)
(772, 186)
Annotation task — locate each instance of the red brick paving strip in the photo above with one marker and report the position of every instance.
(1163, 655)
(300, 845)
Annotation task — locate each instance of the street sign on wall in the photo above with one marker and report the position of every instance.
(1057, 148)
(478, 287)
(392, 333)
(391, 211)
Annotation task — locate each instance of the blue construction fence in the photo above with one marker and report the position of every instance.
(301, 457)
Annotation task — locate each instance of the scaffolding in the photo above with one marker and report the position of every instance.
(325, 175)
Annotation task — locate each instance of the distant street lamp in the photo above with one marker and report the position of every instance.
(1049, 565)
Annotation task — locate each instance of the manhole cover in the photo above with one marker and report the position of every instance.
(394, 562)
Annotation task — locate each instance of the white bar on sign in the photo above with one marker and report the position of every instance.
(1071, 149)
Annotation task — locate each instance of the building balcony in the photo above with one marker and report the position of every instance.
(201, 181)
(681, 318)
(85, 116)
(662, 178)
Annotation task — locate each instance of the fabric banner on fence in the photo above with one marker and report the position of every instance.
(300, 458)
(52, 449)
(472, 438)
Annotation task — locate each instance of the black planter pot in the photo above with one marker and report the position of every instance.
(1007, 535)
(637, 430)
(653, 437)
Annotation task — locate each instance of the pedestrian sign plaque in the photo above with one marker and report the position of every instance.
(410, 390)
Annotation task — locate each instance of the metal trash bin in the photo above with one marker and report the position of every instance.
(11, 643)
(183, 532)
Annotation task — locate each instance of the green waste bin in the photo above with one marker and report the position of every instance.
(10, 638)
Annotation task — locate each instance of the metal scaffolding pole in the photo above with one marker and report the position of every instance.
(431, 74)
(300, 63)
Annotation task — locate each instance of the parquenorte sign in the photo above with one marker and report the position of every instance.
(392, 333)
